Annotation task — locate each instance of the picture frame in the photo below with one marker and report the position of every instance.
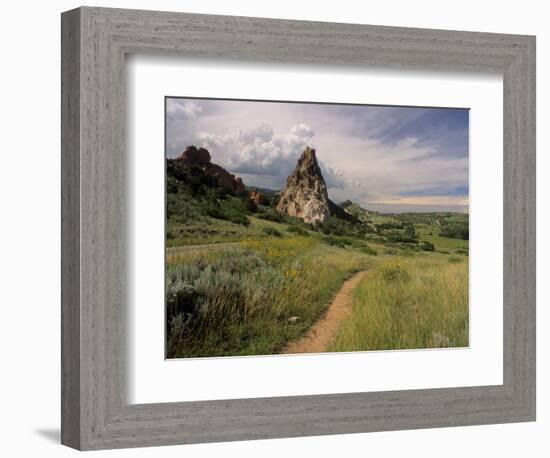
(95, 410)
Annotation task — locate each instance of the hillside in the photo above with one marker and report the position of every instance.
(207, 204)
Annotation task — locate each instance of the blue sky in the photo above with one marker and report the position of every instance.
(385, 158)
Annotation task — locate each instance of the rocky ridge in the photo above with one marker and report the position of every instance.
(201, 158)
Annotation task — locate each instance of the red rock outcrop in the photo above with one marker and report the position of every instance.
(201, 157)
(192, 154)
(258, 198)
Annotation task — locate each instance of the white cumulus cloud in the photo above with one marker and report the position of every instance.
(178, 109)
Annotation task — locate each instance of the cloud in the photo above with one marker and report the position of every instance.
(258, 151)
(381, 157)
(178, 109)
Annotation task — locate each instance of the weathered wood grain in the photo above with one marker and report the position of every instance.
(70, 229)
(95, 41)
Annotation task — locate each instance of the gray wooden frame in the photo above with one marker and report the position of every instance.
(95, 413)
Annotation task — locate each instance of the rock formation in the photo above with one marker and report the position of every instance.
(258, 198)
(192, 154)
(200, 157)
(305, 195)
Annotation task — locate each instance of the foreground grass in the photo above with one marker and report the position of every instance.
(408, 303)
(251, 299)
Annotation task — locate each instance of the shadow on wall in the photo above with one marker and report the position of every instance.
(53, 435)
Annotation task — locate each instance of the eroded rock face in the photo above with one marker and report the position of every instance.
(258, 198)
(306, 195)
(201, 157)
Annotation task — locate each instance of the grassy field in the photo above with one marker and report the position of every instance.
(266, 283)
(244, 279)
(212, 230)
(406, 303)
(252, 298)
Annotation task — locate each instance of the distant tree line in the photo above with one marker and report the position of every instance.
(455, 230)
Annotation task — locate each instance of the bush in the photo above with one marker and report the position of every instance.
(454, 260)
(368, 250)
(385, 226)
(455, 230)
(346, 204)
(340, 242)
(298, 230)
(337, 226)
(394, 272)
(427, 246)
(270, 215)
(237, 218)
(272, 231)
(214, 211)
(251, 205)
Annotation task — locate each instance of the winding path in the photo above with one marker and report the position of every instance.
(323, 331)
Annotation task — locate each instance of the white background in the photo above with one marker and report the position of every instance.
(155, 380)
(29, 230)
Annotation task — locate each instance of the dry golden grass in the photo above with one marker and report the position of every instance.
(409, 303)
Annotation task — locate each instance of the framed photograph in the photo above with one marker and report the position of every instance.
(277, 228)
(268, 262)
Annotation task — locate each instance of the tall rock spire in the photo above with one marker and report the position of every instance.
(306, 195)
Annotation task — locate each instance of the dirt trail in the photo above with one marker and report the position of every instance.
(320, 335)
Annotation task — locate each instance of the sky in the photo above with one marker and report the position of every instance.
(387, 159)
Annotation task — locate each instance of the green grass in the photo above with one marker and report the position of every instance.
(238, 300)
(407, 303)
(212, 230)
(243, 270)
(444, 243)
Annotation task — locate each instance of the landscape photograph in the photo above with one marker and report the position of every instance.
(296, 227)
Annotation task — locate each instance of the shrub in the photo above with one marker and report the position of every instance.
(385, 226)
(215, 212)
(251, 205)
(346, 204)
(454, 260)
(368, 250)
(427, 246)
(455, 230)
(298, 230)
(221, 192)
(337, 226)
(236, 218)
(272, 231)
(394, 273)
(340, 242)
(406, 235)
(270, 215)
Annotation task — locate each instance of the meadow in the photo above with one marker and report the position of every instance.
(251, 299)
(408, 303)
(253, 296)
(245, 279)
